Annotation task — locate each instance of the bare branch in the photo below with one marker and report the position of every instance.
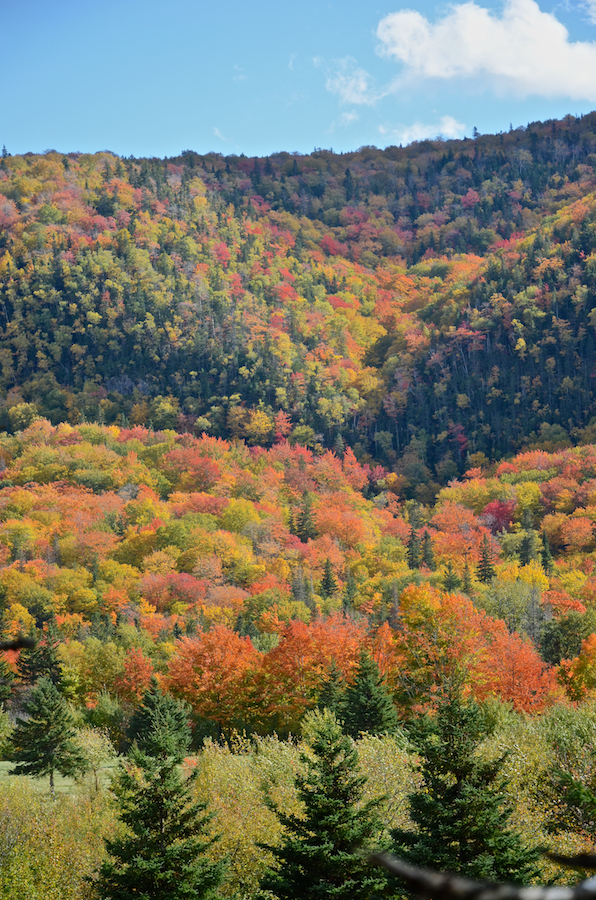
(19, 643)
(445, 886)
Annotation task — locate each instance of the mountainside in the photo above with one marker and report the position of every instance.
(430, 306)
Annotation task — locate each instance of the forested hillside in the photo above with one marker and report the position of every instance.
(298, 445)
(418, 304)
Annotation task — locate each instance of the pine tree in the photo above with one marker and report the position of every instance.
(486, 570)
(328, 583)
(546, 555)
(350, 591)
(459, 809)
(526, 548)
(413, 549)
(428, 557)
(305, 525)
(160, 726)
(367, 704)
(44, 743)
(450, 580)
(41, 661)
(319, 856)
(163, 853)
(332, 690)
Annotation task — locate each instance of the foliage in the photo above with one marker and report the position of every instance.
(367, 705)
(163, 849)
(159, 726)
(319, 851)
(459, 810)
(44, 742)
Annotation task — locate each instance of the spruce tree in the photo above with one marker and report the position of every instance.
(428, 557)
(450, 580)
(526, 548)
(328, 582)
(459, 810)
(319, 856)
(163, 853)
(546, 555)
(367, 704)
(45, 743)
(350, 591)
(413, 549)
(305, 523)
(41, 661)
(332, 690)
(486, 570)
(160, 726)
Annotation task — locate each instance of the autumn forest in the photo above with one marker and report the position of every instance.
(276, 433)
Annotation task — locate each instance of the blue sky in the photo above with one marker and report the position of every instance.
(154, 78)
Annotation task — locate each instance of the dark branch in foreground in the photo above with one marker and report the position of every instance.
(445, 886)
(19, 643)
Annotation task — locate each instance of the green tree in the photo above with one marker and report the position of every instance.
(546, 555)
(367, 704)
(41, 661)
(332, 690)
(45, 742)
(413, 549)
(319, 854)
(163, 852)
(305, 525)
(450, 580)
(328, 582)
(459, 809)
(160, 725)
(428, 557)
(350, 592)
(486, 570)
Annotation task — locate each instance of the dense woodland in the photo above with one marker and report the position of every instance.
(278, 435)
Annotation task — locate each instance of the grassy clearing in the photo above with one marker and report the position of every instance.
(61, 785)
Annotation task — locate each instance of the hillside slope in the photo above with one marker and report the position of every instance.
(422, 304)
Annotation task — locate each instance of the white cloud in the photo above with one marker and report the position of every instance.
(447, 128)
(219, 135)
(347, 118)
(524, 51)
(350, 82)
(590, 6)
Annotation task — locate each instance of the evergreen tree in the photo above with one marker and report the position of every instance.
(486, 570)
(328, 583)
(413, 549)
(160, 726)
(428, 557)
(546, 555)
(305, 524)
(163, 853)
(332, 690)
(367, 704)
(319, 855)
(44, 743)
(526, 548)
(350, 591)
(450, 580)
(41, 661)
(459, 809)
